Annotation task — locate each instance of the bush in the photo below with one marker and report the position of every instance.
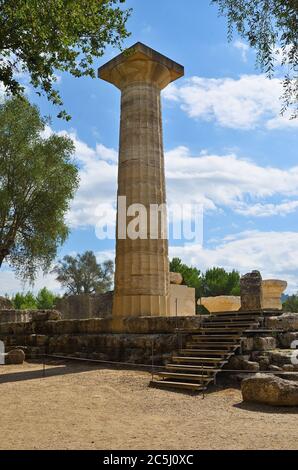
(45, 300)
(291, 304)
(24, 301)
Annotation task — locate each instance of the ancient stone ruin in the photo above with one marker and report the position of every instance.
(152, 320)
(268, 295)
(142, 278)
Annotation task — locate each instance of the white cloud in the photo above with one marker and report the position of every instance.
(273, 253)
(268, 210)
(243, 48)
(215, 181)
(229, 181)
(98, 177)
(10, 284)
(218, 182)
(245, 103)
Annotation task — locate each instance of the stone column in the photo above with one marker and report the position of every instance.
(251, 291)
(142, 266)
(272, 292)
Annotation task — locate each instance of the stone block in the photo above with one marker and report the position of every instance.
(15, 356)
(288, 368)
(182, 300)
(221, 303)
(280, 357)
(242, 363)
(285, 322)
(247, 344)
(264, 343)
(271, 390)
(176, 278)
(286, 340)
(272, 292)
(251, 291)
(5, 304)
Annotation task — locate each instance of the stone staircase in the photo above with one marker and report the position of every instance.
(207, 350)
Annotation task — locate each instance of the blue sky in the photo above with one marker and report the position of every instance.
(226, 146)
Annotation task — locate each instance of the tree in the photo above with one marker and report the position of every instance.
(271, 27)
(217, 281)
(291, 304)
(191, 276)
(83, 275)
(24, 301)
(38, 179)
(39, 37)
(45, 299)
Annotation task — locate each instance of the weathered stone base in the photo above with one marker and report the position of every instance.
(121, 339)
(131, 348)
(131, 339)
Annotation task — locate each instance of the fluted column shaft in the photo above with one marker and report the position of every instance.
(142, 267)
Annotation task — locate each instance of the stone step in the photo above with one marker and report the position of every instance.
(229, 329)
(181, 376)
(200, 360)
(240, 313)
(178, 385)
(220, 318)
(214, 337)
(205, 352)
(233, 314)
(208, 370)
(209, 345)
(230, 325)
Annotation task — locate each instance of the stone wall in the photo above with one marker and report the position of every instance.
(113, 339)
(86, 306)
(25, 316)
(130, 339)
(14, 316)
(5, 303)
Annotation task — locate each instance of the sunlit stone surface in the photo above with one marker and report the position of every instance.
(142, 268)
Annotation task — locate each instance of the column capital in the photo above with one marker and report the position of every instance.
(140, 63)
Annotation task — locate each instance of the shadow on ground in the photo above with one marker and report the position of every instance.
(51, 370)
(259, 408)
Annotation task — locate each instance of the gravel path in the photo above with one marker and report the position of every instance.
(85, 407)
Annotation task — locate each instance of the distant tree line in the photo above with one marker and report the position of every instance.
(215, 281)
(291, 303)
(44, 300)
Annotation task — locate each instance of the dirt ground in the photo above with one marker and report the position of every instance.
(88, 407)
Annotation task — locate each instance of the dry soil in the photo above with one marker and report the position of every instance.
(78, 406)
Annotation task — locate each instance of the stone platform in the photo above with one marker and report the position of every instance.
(131, 339)
(112, 339)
